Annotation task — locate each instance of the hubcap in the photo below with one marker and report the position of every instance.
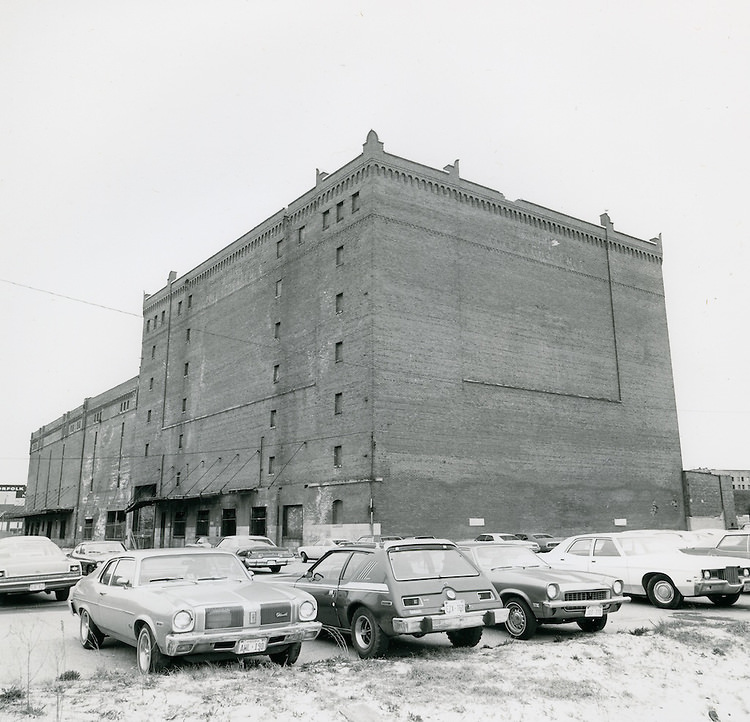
(516, 620)
(84, 626)
(144, 652)
(663, 592)
(363, 632)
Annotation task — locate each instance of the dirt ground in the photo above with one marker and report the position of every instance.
(686, 671)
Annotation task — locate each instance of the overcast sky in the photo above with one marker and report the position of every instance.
(140, 137)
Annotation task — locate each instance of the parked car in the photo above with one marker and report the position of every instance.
(416, 587)
(92, 553)
(731, 544)
(36, 564)
(651, 565)
(544, 540)
(376, 539)
(319, 548)
(180, 602)
(509, 538)
(534, 593)
(201, 541)
(257, 552)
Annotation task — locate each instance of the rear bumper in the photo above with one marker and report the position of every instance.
(448, 622)
(265, 563)
(227, 642)
(27, 585)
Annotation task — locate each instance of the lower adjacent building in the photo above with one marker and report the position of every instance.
(399, 351)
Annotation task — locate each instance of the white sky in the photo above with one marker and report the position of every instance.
(142, 136)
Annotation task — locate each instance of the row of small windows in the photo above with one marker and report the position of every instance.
(163, 316)
(340, 211)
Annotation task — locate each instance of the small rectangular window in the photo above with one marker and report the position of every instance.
(301, 234)
(145, 450)
(186, 370)
(187, 336)
(271, 465)
(184, 405)
(340, 256)
(179, 308)
(278, 288)
(178, 530)
(339, 303)
(338, 403)
(151, 384)
(153, 352)
(177, 478)
(340, 211)
(148, 325)
(272, 421)
(337, 455)
(355, 202)
(276, 374)
(163, 315)
(202, 523)
(279, 248)
(277, 330)
(326, 219)
(190, 301)
(148, 416)
(179, 441)
(339, 351)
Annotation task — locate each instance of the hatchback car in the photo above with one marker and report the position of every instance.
(36, 564)
(508, 538)
(415, 587)
(179, 602)
(257, 552)
(652, 565)
(534, 593)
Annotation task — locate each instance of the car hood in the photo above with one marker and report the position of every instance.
(212, 592)
(565, 578)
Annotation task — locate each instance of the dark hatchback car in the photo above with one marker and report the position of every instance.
(410, 586)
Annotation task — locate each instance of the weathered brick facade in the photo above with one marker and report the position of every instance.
(405, 348)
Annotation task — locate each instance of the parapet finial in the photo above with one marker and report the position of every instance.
(372, 144)
(605, 221)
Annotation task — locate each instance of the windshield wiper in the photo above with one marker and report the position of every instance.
(209, 579)
(167, 579)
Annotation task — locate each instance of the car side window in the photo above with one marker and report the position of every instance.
(605, 548)
(581, 547)
(107, 573)
(733, 543)
(124, 573)
(328, 570)
(362, 567)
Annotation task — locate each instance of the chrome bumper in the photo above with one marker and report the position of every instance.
(719, 586)
(559, 604)
(197, 642)
(448, 622)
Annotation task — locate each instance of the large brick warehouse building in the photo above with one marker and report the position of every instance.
(398, 350)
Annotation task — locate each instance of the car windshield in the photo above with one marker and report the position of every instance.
(103, 548)
(191, 567)
(506, 557)
(429, 563)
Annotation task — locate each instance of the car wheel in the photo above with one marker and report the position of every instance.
(62, 594)
(521, 622)
(275, 569)
(465, 637)
(304, 557)
(595, 624)
(662, 593)
(148, 654)
(88, 633)
(724, 600)
(287, 656)
(368, 638)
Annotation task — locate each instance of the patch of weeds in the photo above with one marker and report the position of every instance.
(575, 658)
(414, 717)
(12, 694)
(69, 675)
(558, 639)
(719, 652)
(639, 631)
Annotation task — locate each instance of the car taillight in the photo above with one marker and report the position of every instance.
(412, 602)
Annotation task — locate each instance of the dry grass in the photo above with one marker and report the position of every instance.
(673, 671)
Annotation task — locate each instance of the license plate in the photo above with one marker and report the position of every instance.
(38, 587)
(250, 646)
(457, 606)
(595, 610)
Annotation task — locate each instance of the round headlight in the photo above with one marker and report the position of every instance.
(182, 621)
(706, 574)
(307, 611)
(617, 587)
(553, 591)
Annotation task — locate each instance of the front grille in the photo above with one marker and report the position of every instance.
(594, 595)
(730, 574)
(224, 617)
(276, 613)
